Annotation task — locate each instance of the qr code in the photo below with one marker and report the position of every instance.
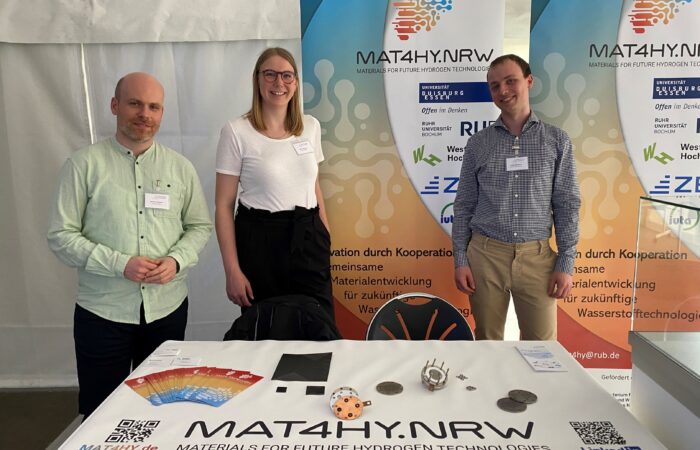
(130, 430)
(597, 433)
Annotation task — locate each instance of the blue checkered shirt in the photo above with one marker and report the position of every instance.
(521, 205)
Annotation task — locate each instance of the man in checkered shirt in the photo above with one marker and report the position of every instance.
(518, 178)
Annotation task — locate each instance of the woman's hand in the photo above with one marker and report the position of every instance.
(238, 289)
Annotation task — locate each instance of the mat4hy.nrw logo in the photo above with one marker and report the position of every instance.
(677, 184)
(647, 14)
(412, 17)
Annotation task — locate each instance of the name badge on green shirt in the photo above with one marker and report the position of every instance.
(157, 201)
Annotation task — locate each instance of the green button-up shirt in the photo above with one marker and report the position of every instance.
(101, 218)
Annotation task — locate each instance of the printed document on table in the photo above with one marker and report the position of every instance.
(540, 358)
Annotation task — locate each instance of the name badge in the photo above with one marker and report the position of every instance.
(157, 201)
(516, 163)
(302, 147)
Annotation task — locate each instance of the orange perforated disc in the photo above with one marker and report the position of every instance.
(348, 407)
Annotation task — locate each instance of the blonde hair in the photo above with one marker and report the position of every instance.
(293, 122)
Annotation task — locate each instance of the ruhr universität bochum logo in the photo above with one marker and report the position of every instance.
(649, 13)
(413, 16)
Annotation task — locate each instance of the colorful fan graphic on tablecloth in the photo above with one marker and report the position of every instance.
(209, 385)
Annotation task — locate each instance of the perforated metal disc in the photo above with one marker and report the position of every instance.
(522, 396)
(510, 405)
(389, 388)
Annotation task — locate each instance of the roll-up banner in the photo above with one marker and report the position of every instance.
(621, 77)
(398, 87)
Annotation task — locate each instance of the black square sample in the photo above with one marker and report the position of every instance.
(281, 389)
(315, 390)
(303, 367)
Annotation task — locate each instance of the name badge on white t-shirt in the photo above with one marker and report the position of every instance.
(302, 147)
(516, 163)
(157, 201)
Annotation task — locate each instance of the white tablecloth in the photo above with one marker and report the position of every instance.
(454, 418)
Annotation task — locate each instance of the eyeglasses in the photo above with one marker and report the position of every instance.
(271, 75)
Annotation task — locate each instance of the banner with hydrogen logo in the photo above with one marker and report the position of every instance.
(398, 86)
(623, 83)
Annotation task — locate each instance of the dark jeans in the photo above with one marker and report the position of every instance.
(106, 351)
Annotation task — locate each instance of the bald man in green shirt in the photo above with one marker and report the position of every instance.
(131, 216)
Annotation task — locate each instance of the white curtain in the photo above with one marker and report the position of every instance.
(125, 21)
(54, 99)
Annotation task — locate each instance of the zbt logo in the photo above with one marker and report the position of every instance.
(678, 184)
(437, 185)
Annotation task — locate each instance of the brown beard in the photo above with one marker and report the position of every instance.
(139, 135)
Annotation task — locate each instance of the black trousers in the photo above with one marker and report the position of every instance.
(286, 252)
(107, 351)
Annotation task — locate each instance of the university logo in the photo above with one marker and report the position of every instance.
(649, 13)
(676, 88)
(447, 213)
(414, 16)
(454, 92)
(431, 159)
(471, 127)
(650, 153)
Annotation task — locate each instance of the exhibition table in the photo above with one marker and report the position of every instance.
(571, 410)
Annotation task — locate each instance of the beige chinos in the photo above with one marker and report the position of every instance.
(522, 270)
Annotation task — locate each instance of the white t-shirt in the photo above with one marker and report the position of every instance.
(275, 174)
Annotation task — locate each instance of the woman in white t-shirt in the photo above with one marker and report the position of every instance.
(278, 244)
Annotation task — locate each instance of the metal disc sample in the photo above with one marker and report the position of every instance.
(389, 388)
(522, 396)
(510, 405)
